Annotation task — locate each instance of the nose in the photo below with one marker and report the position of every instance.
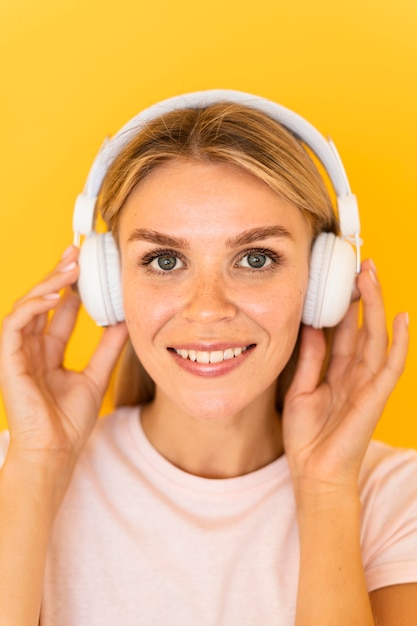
(208, 300)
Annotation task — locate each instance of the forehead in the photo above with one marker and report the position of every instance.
(193, 198)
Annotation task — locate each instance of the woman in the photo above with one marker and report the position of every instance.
(245, 487)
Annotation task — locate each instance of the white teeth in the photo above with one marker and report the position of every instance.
(203, 357)
(217, 356)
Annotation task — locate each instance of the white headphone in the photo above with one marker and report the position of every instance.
(333, 260)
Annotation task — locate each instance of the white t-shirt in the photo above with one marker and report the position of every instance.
(138, 541)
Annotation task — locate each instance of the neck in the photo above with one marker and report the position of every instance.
(221, 448)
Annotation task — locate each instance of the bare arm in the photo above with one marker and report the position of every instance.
(51, 412)
(395, 605)
(29, 498)
(327, 428)
(332, 585)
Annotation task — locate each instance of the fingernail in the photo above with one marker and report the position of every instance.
(68, 268)
(373, 266)
(52, 296)
(67, 252)
(407, 319)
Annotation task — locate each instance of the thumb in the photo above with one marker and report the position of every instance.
(310, 362)
(106, 354)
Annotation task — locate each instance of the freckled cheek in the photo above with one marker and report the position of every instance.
(145, 311)
(283, 303)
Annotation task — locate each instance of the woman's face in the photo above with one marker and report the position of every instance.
(215, 270)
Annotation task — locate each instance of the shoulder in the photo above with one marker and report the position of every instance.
(121, 417)
(388, 491)
(385, 466)
(388, 479)
(113, 430)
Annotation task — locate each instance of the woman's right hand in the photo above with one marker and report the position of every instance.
(49, 408)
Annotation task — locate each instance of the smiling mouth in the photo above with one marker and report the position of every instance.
(214, 356)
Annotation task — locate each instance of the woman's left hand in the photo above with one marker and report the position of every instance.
(328, 423)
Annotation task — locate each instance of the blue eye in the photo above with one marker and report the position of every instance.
(255, 260)
(166, 262)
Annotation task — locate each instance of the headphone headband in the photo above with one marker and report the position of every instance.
(332, 262)
(84, 212)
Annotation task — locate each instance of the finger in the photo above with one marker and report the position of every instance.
(374, 338)
(345, 336)
(64, 318)
(397, 355)
(310, 361)
(60, 328)
(356, 294)
(343, 348)
(106, 354)
(27, 318)
(375, 394)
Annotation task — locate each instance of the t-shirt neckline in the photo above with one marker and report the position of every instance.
(274, 471)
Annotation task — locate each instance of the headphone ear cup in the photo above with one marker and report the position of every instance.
(332, 277)
(99, 283)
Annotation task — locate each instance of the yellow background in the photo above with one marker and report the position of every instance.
(73, 71)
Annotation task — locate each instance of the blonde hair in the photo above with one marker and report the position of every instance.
(220, 133)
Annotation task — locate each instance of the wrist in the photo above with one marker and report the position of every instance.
(39, 474)
(313, 496)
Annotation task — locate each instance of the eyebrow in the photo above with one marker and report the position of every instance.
(245, 238)
(255, 234)
(152, 236)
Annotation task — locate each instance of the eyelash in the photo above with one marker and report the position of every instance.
(274, 257)
(147, 259)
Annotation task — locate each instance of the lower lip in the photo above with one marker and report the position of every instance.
(210, 370)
